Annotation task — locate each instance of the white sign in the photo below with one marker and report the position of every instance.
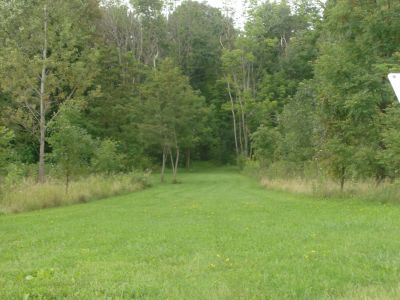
(394, 79)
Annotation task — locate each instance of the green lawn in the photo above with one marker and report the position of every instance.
(218, 235)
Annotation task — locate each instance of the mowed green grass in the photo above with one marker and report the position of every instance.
(217, 235)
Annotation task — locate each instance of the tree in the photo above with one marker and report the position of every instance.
(169, 109)
(238, 67)
(197, 35)
(270, 28)
(72, 146)
(351, 93)
(112, 112)
(48, 56)
(389, 157)
(121, 29)
(266, 142)
(6, 151)
(152, 28)
(297, 125)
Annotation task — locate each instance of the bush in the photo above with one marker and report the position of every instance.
(266, 143)
(107, 159)
(241, 161)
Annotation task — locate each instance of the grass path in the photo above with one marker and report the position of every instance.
(218, 235)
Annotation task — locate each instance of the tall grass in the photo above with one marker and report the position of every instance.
(308, 180)
(325, 188)
(27, 195)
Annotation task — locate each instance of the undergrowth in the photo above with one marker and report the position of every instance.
(365, 190)
(28, 195)
(321, 186)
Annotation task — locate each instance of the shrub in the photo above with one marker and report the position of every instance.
(107, 159)
(71, 145)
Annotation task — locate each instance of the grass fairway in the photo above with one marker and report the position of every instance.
(218, 235)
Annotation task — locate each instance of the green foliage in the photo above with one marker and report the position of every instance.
(197, 34)
(71, 57)
(302, 84)
(390, 154)
(106, 157)
(14, 174)
(296, 125)
(266, 141)
(48, 56)
(171, 112)
(71, 145)
(350, 91)
(6, 151)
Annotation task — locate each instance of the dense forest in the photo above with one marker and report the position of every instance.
(108, 87)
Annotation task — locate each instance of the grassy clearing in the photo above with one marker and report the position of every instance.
(218, 235)
(28, 195)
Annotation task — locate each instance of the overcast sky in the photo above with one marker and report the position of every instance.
(235, 5)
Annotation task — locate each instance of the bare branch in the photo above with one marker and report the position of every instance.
(35, 114)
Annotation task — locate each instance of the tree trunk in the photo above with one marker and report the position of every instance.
(245, 138)
(172, 161)
(379, 176)
(174, 164)
(67, 182)
(342, 178)
(42, 125)
(242, 128)
(187, 158)
(251, 151)
(164, 158)
(234, 118)
(240, 135)
(155, 60)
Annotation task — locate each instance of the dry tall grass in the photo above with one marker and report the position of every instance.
(367, 190)
(28, 195)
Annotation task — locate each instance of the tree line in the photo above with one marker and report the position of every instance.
(105, 86)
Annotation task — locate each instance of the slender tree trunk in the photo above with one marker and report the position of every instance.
(187, 158)
(243, 133)
(42, 124)
(245, 139)
(141, 44)
(243, 127)
(67, 182)
(164, 158)
(240, 135)
(119, 54)
(155, 60)
(342, 178)
(233, 117)
(174, 163)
